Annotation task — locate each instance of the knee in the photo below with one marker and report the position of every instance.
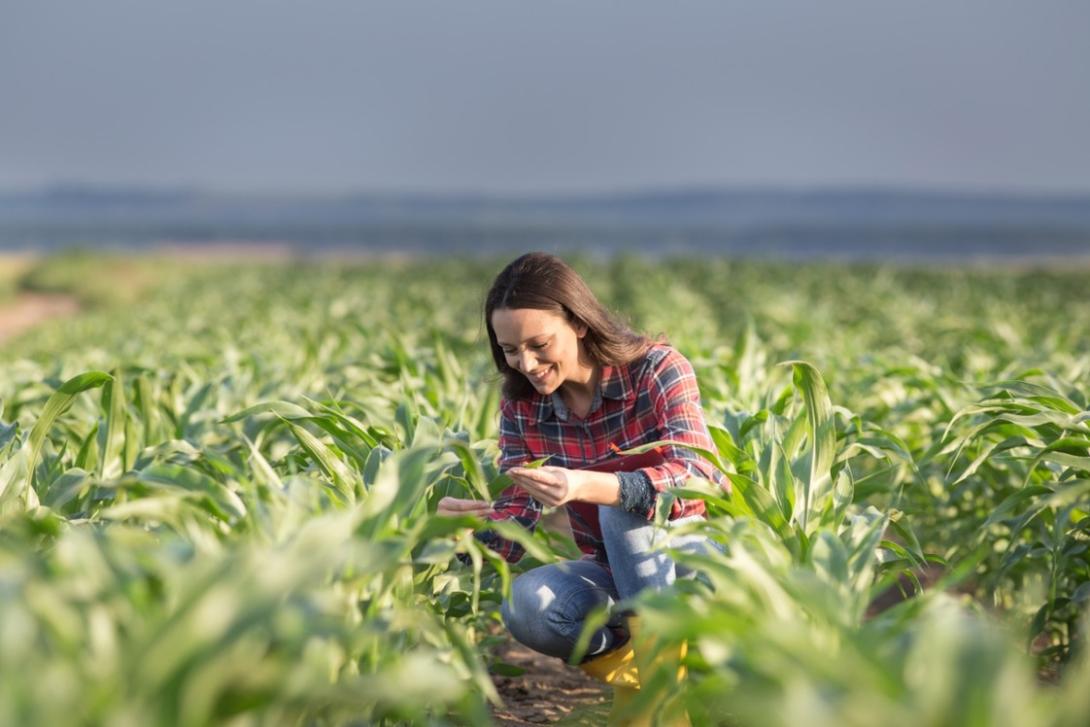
(613, 519)
(626, 532)
(634, 548)
(548, 619)
(527, 607)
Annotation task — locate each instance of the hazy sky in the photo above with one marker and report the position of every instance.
(510, 95)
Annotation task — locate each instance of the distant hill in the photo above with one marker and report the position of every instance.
(837, 222)
(697, 206)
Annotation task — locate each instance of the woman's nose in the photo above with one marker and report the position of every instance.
(526, 362)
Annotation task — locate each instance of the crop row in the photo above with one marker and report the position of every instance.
(217, 505)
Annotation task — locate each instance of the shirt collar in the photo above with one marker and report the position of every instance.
(614, 384)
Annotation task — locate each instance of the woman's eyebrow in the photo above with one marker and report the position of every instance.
(526, 340)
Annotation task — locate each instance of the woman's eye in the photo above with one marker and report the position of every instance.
(539, 346)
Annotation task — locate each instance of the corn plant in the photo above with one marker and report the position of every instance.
(216, 506)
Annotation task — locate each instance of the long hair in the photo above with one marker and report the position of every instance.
(545, 282)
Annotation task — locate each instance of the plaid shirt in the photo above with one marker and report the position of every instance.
(653, 398)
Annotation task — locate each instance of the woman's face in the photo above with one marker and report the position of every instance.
(541, 345)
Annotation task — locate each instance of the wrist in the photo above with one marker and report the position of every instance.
(578, 485)
(599, 488)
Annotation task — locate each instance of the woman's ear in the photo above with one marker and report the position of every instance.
(580, 329)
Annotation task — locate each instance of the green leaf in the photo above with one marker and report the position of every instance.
(57, 404)
(326, 459)
(822, 432)
(282, 409)
(111, 463)
(503, 669)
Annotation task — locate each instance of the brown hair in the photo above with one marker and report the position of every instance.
(545, 282)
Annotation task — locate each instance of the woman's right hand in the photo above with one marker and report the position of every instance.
(456, 507)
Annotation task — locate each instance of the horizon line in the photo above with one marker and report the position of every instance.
(544, 194)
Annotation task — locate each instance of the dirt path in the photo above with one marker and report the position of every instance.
(27, 310)
(550, 692)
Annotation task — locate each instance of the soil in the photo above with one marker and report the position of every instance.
(27, 310)
(549, 692)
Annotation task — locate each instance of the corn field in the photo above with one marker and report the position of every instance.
(217, 498)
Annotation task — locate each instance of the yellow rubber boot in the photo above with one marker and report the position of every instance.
(652, 659)
(617, 668)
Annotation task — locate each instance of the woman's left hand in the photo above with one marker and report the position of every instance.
(551, 486)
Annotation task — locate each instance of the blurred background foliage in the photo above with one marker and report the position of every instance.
(231, 521)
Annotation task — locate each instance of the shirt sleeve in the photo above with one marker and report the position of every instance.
(675, 399)
(514, 504)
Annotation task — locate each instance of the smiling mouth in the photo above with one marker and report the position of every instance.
(541, 376)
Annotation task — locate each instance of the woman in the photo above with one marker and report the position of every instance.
(578, 387)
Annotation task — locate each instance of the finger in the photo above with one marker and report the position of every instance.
(534, 487)
(529, 471)
(550, 501)
(520, 478)
(459, 505)
(528, 485)
(542, 495)
(544, 478)
(476, 507)
(463, 513)
(545, 500)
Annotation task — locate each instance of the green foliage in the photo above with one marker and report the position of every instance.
(96, 278)
(235, 524)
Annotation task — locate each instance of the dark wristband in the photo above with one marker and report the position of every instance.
(637, 492)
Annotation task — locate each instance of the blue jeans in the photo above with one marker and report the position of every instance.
(549, 604)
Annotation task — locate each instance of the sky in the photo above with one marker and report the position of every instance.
(512, 96)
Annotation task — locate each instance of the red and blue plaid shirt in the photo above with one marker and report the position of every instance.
(653, 398)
